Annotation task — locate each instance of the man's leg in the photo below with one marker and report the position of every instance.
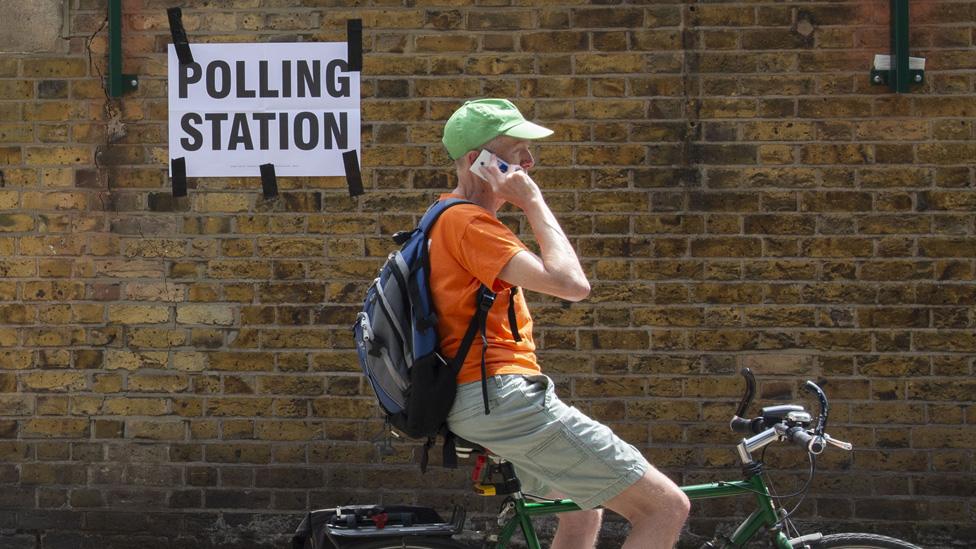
(656, 509)
(578, 529)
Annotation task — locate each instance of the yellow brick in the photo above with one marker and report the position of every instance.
(8, 66)
(290, 247)
(440, 43)
(138, 314)
(221, 202)
(56, 67)
(10, 156)
(106, 383)
(124, 406)
(60, 200)
(155, 291)
(86, 405)
(16, 133)
(55, 268)
(238, 453)
(16, 223)
(288, 430)
(238, 269)
(596, 63)
(154, 247)
(16, 89)
(51, 112)
(158, 383)
(189, 361)
(17, 268)
(56, 314)
(155, 430)
(776, 154)
(241, 362)
(242, 407)
(127, 360)
(53, 291)
(46, 156)
(500, 64)
(9, 199)
(55, 428)
(129, 269)
(158, 338)
(54, 381)
(16, 360)
(220, 315)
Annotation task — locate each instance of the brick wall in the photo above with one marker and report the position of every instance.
(739, 192)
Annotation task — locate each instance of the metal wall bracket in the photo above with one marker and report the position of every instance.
(118, 83)
(898, 71)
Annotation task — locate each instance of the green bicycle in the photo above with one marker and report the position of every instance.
(400, 527)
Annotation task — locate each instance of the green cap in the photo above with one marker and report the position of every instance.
(478, 122)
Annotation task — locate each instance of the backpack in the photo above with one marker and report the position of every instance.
(398, 346)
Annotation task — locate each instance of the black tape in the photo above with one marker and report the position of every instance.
(354, 44)
(180, 40)
(353, 178)
(178, 169)
(269, 183)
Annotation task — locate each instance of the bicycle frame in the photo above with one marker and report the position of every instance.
(763, 516)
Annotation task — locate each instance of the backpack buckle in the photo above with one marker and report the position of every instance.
(401, 237)
(486, 300)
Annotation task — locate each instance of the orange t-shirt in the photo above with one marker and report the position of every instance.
(469, 247)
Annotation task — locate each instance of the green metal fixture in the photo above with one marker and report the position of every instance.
(898, 73)
(118, 83)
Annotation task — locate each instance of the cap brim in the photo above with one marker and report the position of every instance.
(527, 130)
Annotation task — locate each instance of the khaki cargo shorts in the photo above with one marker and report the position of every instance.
(555, 448)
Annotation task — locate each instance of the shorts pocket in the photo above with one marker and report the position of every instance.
(558, 455)
(469, 402)
(537, 391)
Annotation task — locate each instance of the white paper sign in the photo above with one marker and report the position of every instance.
(242, 105)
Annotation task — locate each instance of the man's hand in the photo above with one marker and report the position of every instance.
(514, 187)
(558, 271)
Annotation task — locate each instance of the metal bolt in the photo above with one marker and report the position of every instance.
(877, 79)
(135, 83)
(918, 77)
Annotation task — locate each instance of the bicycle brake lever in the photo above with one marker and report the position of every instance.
(838, 443)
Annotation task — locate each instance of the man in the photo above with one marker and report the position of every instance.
(557, 450)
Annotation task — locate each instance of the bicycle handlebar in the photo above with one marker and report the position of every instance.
(814, 441)
(750, 392)
(824, 406)
(798, 435)
(747, 426)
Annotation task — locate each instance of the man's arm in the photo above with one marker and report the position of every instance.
(558, 271)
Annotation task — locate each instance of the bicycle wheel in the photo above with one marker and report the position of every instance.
(408, 543)
(861, 541)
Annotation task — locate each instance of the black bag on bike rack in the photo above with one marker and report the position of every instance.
(332, 528)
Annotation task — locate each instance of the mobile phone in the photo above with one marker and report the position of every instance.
(483, 161)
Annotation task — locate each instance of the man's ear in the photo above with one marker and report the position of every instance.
(471, 156)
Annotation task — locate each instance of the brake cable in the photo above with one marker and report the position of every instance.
(801, 492)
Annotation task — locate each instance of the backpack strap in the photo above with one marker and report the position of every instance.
(450, 450)
(425, 453)
(306, 533)
(512, 321)
(484, 299)
(427, 319)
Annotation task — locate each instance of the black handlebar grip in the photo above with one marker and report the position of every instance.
(802, 438)
(748, 426)
(740, 425)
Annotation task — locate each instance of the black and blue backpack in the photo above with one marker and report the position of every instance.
(398, 346)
